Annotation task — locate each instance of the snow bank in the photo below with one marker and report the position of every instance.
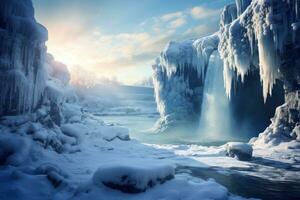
(239, 150)
(133, 179)
(54, 174)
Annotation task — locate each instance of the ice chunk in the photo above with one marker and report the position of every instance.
(133, 179)
(239, 150)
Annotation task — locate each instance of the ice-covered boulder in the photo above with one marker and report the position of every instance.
(133, 178)
(22, 53)
(239, 150)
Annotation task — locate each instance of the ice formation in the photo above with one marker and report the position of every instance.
(178, 79)
(258, 35)
(258, 38)
(22, 52)
(265, 37)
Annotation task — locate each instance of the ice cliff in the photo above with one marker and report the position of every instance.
(30, 78)
(22, 53)
(266, 37)
(177, 90)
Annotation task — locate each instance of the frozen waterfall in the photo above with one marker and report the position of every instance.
(215, 114)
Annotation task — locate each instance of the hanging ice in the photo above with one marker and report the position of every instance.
(258, 38)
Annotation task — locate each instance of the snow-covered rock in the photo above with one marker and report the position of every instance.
(13, 150)
(239, 150)
(131, 178)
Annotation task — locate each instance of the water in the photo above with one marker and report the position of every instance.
(246, 185)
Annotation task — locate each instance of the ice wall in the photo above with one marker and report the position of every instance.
(266, 37)
(22, 52)
(178, 80)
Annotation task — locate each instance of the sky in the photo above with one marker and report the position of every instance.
(118, 39)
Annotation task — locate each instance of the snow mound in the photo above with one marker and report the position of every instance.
(13, 150)
(54, 174)
(239, 150)
(75, 130)
(133, 179)
(110, 133)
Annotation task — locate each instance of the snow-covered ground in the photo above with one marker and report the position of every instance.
(45, 174)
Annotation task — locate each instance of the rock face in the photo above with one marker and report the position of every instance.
(22, 53)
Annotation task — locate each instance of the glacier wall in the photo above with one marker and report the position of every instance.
(178, 81)
(22, 53)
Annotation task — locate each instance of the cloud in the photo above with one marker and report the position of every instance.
(200, 12)
(171, 16)
(177, 23)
